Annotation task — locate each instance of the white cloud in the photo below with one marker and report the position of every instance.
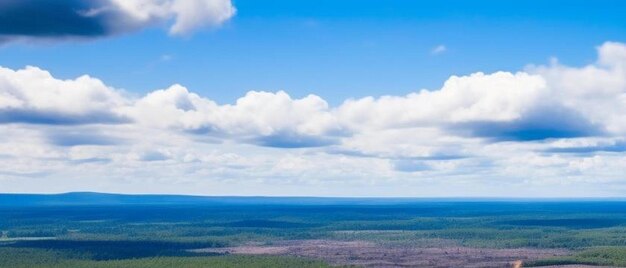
(87, 19)
(187, 15)
(440, 49)
(596, 91)
(254, 117)
(500, 96)
(534, 129)
(32, 95)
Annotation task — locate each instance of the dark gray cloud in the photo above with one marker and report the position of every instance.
(54, 19)
(540, 124)
(86, 19)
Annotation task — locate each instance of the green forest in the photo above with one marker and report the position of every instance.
(167, 235)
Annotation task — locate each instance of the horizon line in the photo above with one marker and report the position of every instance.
(590, 198)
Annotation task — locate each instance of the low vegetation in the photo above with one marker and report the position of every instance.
(611, 256)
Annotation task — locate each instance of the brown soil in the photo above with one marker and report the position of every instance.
(362, 253)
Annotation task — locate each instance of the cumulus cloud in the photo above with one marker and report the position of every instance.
(541, 103)
(497, 97)
(58, 19)
(597, 90)
(269, 119)
(542, 125)
(34, 96)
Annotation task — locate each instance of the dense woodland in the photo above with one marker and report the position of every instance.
(162, 235)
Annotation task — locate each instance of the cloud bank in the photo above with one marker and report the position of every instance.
(542, 127)
(62, 19)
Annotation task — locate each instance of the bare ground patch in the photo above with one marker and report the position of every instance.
(363, 253)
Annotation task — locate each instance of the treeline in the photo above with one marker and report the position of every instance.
(41, 258)
(609, 256)
(115, 249)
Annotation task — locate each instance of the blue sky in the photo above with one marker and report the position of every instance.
(338, 49)
(324, 98)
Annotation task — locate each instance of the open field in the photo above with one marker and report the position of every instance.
(92, 230)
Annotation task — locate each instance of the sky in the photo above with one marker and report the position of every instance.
(314, 98)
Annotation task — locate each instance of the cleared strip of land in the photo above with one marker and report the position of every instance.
(368, 254)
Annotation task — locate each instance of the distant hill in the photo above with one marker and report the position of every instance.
(105, 199)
